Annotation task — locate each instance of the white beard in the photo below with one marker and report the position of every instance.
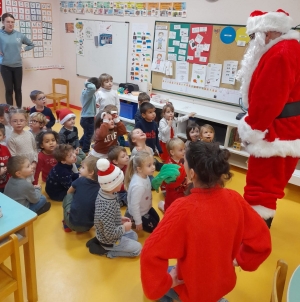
(256, 49)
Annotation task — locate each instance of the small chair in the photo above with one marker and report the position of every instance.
(11, 280)
(279, 281)
(56, 96)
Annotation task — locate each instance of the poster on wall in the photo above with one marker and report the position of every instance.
(105, 34)
(79, 31)
(161, 37)
(178, 42)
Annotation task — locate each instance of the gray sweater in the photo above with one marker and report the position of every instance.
(20, 190)
(10, 46)
(108, 219)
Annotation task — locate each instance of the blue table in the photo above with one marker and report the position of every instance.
(293, 294)
(19, 219)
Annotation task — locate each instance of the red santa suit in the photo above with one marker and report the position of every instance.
(271, 130)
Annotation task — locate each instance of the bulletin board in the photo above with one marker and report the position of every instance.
(99, 52)
(232, 50)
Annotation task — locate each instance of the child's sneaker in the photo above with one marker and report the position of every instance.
(66, 228)
(161, 206)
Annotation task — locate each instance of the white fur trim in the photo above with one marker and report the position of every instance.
(247, 76)
(247, 134)
(67, 117)
(264, 212)
(272, 21)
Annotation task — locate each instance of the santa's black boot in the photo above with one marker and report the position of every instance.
(269, 222)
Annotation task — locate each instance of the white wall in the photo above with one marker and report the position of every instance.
(222, 11)
(40, 79)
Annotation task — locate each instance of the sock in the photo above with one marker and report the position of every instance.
(66, 228)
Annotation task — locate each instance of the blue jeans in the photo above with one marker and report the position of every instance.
(127, 246)
(87, 124)
(122, 198)
(37, 206)
(171, 294)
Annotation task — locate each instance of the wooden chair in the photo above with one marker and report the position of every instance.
(279, 281)
(11, 280)
(56, 96)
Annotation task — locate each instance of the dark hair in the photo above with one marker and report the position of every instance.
(34, 94)
(143, 97)
(146, 106)
(61, 151)
(95, 81)
(14, 164)
(6, 15)
(190, 127)
(2, 129)
(114, 151)
(164, 109)
(40, 137)
(209, 162)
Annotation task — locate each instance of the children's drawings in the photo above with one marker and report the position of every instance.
(161, 37)
(158, 63)
(198, 75)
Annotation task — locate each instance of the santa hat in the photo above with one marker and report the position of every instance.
(64, 114)
(109, 175)
(259, 21)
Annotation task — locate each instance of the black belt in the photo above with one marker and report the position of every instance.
(290, 109)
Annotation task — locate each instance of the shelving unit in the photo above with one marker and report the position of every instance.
(222, 120)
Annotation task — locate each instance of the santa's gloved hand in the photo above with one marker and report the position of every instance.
(167, 174)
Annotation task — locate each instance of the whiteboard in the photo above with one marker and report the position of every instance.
(104, 58)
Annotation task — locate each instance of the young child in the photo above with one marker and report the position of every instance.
(143, 97)
(68, 134)
(4, 156)
(61, 176)
(174, 190)
(21, 142)
(196, 232)
(139, 195)
(79, 203)
(20, 190)
(108, 127)
(192, 133)
(88, 112)
(37, 122)
(46, 141)
(148, 125)
(39, 99)
(4, 119)
(137, 141)
(114, 237)
(207, 133)
(119, 157)
(106, 95)
(168, 127)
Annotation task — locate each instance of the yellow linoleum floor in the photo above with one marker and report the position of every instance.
(67, 272)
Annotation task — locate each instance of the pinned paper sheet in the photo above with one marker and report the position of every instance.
(172, 35)
(229, 72)
(182, 52)
(184, 39)
(172, 56)
(182, 45)
(184, 32)
(203, 59)
(199, 38)
(198, 75)
(181, 58)
(171, 49)
(206, 47)
(241, 43)
(195, 30)
(202, 29)
(176, 43)
(177, 26)
(213, 74)
(169, 68)
(182, 71)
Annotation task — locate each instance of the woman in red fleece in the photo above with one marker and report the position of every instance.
(208, 232)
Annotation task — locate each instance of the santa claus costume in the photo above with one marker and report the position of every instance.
(270, 76)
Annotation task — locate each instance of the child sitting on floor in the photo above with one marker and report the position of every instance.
(20, 190)
(119, 157)
(212, 225)
(139, 196)
(61, 176)
(137, 141)
(174, 190)
(79, 203)
(68, 134)
(37, 122)
(114, 236)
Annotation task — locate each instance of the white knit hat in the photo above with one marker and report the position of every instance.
(64, 114)
(259, 21)
(109, 175)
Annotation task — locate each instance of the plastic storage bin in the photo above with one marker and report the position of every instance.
(128, 110)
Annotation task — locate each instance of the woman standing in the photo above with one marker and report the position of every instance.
(10, 58)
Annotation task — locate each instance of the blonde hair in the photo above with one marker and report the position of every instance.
(40, 117)
(136, 161)
(109, 108)
(174, 142)
(206, 126)
(104, 77)
(13, 110)
(91, 164)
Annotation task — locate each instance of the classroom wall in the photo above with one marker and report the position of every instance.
(40, 79)
(221, 11)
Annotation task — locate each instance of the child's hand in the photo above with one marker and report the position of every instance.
(33, 164)
(3, 170)
(125, 219)
(192, 114)
(170, 121)
(38, 186)
(173, 274)
(127, 226)
(104, 117)
(139, 227)
(97, 105)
